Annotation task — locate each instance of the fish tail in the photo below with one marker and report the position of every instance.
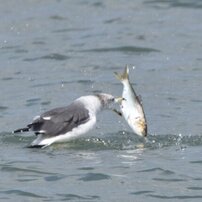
(123, 76)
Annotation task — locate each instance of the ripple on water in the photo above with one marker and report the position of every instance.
(7, 78)
(51, 56)
(141, 192)
(21, 193)
(12, 168)
(10, 47)
(175, 197)
(3, 111)
(86, 168)
(196, 162)
(160, 170)
(114, 20)
(3, 108)
(94, 177)
(43, 85)
(195, 188)
(168, 180)
(70, 30)
(69, 197)
(167, 175)
(176, 3)
(32, 101)
(45, 103)
(57, 17)
(55, 177)
(89, 82)
(133, 49)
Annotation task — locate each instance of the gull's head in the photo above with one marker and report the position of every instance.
(107, 101)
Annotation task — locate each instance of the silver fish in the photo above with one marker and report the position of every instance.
(131, 106)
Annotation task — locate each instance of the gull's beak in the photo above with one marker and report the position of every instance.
(119, 100)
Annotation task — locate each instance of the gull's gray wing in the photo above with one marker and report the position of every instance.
(60, 120)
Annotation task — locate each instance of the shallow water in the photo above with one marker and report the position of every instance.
(53, 52)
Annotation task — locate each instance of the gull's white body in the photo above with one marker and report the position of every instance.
(66, 123)
(93, 108)
(80, 130)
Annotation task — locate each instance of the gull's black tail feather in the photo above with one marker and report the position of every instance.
(20, 130)
(35, 146)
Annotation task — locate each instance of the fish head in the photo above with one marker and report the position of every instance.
(119, 100)
(140, 126)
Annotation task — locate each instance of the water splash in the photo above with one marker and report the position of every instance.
(116, 141)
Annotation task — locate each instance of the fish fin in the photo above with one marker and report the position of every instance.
(123, 76)
(139, 98)
(117, 112)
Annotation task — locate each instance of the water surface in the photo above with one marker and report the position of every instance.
(53, 52)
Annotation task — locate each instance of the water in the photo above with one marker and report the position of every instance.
(52, 52)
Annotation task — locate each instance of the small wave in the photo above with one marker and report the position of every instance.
(176, 3)
(160, 170)
(21, 51)
(134, 49)
(3, 108)
(57, 17)
(175, 197)
(74, 197)
(7, 78)
(21, 193)
(12, 168)
(94, 177)
(32, 101)
(52, 56)
(111, 21)
(43, 84)
(70, 30)
(141, 192)
(9, 47)
(44, 103)
(85, 81)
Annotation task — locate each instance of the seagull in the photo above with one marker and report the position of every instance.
(66, 123)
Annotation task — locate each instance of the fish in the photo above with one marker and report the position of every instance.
(131, 105)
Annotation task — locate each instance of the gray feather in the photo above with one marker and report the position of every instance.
(62, 120)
